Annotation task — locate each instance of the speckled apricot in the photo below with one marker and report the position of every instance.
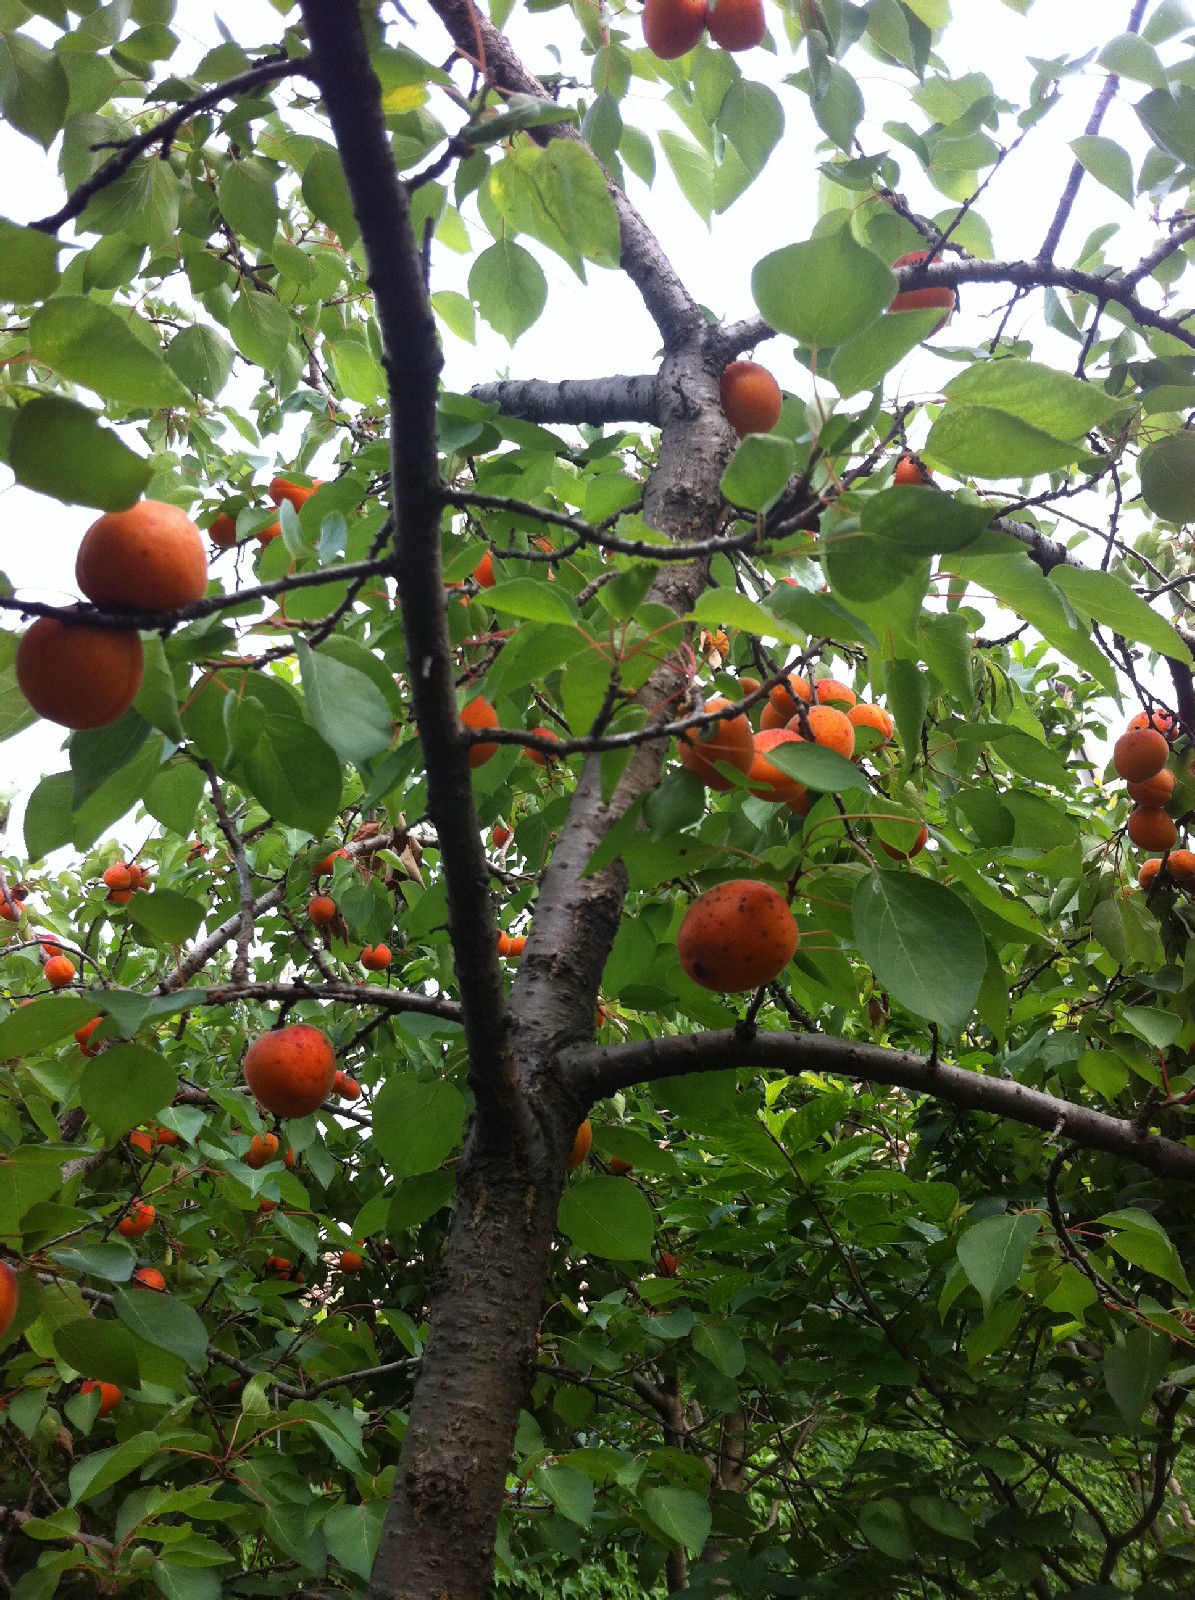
(736, 936)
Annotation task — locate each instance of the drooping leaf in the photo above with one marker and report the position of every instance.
(922, 942)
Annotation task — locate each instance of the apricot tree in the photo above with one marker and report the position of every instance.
(558, 1089)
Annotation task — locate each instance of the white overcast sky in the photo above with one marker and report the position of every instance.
(588, 330)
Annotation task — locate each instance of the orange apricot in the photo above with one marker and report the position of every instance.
(619, 1167)
(59, 971)
(138, 1220)
(321, 908)
(110, 1395)
(581, 1145)
(540, 757)
(351, 1261)
(782, 701)
(83, 1037)
(267, 535)
(769, 782)
(909, 470)
(736, 936)
(120, 897)
(148, 558)
(483, 572)
(322, 868)
(737, 25)
(830, 692)
(751, 398)
(223, 531)
(830, 728)
(479, 713)
(118, 876)
(1180, 864)
(263, 1148)
(1149, 871)
(1152, 829)
(150, 1278)
(500, 835)
(915, 849)
(667, 1265)
(284, 489)
(671, 28)
(376, 957)
(10, 1297)
(140, 1140)
(1155, 791)
(1140, 754)
(923, 299)
(869, 716)
(78, 676)
(729, 740)
(291, 1070)
(1161, 721)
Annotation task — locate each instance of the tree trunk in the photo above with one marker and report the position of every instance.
(438, 1538)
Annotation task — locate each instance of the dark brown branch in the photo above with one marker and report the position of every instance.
(353, 99)
(163, 133)
(358, 994)
(574, 400)
(601, 1070)
(1164, 1457)
(596, 533)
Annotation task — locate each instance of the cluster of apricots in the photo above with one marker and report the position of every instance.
(123, 879)
(671, 28)
(144, 1140)
(148, 559)
(223, 530)
(1140, 756)
(511, 944)
(322, 909)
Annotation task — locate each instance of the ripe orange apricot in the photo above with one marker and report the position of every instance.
(263, 1148)
(923, 299)
(511, 944)
(1140, 754)
(483, 572)
(751, 398)
(83, 1037)
(120, 897)
(138, 1220)
(737, 25)
(148, 558)
(322, 868)
(500, 835)
(284, 489)
(830, 728)
(166, 1136)
(1161, 721)
(619, 1167)
(264, 1205)
(910, 471)
(110, 1395)
(150, 1278)
(736, 936)
(581, 1145)
(1180, 864)
(10, 1297)
(267, 535)
(1155, 791)
(479, 713)
(830, 692)
(671, 28)
(138, 877)
(768, 782)
(729, 740)
(290, 1070)
(59, 971)
(869, 716)
(10, 910)
(1152, 829)
(351, 1261)
(1149, 871)
(667, 1265)
(376, 957)
(278, 1266)
(540, 757)
(140, 1140)
(321, 908)
(782, 701)
(223, 531)
(77, 676)
(915, 849)
(118, 876)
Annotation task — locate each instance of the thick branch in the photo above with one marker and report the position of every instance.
(601, 1070)
(670, 305)
(163, 133)
(353, 99)
(576, 400)
(359, 994)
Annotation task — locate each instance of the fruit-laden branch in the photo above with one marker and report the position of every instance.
(210, 606)
(576, 400)
(353, 99)
(737, 336)
(669, 304)
(163, 133)
(596, 533)
(603, 1070)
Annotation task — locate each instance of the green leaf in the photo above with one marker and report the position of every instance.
(168, 918)
(99, 1349)
(1167, 471)
(943, 1517)
(174, 794)
(525, 597)
(261, 328)
(417, 1199)
(201, 1583)
(97, 1472)
(202, 359)
(1133, 1370)
(721, 1347)
(822, 292)
(352, 1533)
(28, 263)
(1054, 402)
(863, 568)
(30, 1028)
(982, 442)
(922, 942)
(758, 471)
(1160, 1028)
(125, 1085)
(112, 1260)
(1108, 599)
(90, 344)
(817, 767)
(751, 120)
(166, 1321)
(59, 448)
(15, 711)
(327, 194)
(1130, 56)
(570, 1491)
(558, 195)
(682, 1516)
(718, 608)
(295, 774)
(1169, 119)
(417, 1122)
(882, 1524)
(509, 287)
(34, 90)
(347, 707)
(248, 201)
(608, 1218)
(864, 360)
(993, 1251)
(838, 106)
(924, 521)
(1141, 1239)
(520, 111)
(1107, 163)
(49, 815)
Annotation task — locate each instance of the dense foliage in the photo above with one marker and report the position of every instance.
(875, 1279)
